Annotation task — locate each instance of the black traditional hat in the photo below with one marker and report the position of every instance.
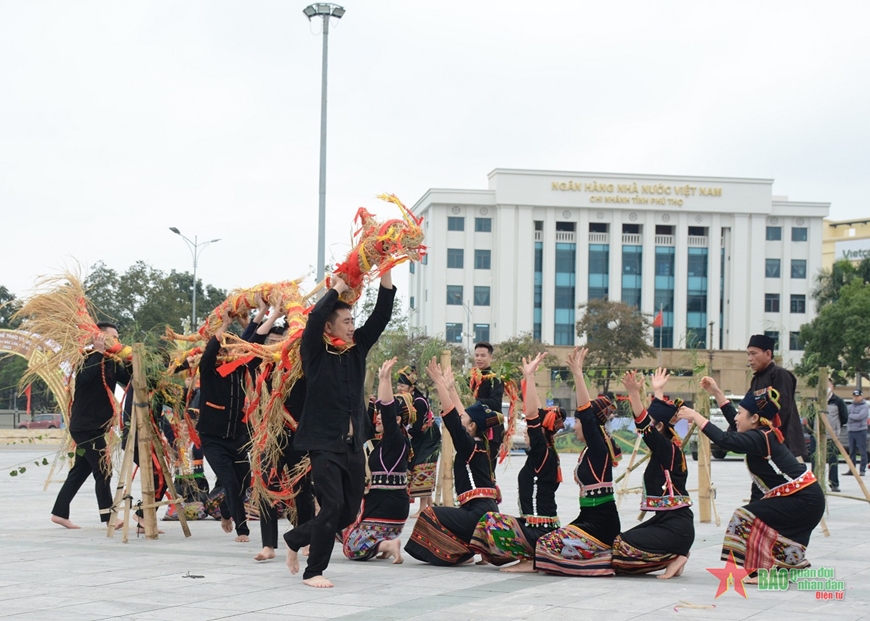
(408, 376)
(483, 417)
(663, 411)
(762, 342)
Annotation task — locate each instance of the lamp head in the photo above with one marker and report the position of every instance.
(175, 230)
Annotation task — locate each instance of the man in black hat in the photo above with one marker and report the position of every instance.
(766, 373)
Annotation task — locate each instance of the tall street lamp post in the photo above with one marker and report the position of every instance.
(195, 249)
(324, 10)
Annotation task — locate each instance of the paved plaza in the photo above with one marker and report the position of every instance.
(50, 573)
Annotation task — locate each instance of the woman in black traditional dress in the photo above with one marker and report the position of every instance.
(787, 503)
(441, 535)
(584, 547)
(385, 505)
(664, 541)
(425, 441)
(502, 538)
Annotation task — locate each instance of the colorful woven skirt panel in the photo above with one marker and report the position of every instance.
(422, 479)
(360, 541)
(756, 545)
(502, 538)
(571, 551)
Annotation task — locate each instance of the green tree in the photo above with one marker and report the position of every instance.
(143, 300)
(8, 305)
(839, 337)
(829, 281)
(508, 355)
(615, 334)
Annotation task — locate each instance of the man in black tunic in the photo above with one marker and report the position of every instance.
(93, 410)
(766, 373)
(333, 419)
(489, 392)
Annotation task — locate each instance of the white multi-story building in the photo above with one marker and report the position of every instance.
(722, 258)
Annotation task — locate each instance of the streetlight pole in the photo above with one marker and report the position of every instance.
(469, 331)
(195, 249)
(324, 10)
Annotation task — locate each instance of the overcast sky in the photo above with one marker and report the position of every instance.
(121, 119)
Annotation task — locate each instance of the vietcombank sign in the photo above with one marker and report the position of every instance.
(852, 250)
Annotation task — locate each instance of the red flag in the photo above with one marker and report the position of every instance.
(27, 393)
(658, 321)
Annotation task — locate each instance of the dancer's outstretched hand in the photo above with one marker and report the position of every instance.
(633, 382)
(530, 366)
(659, 379)
(385, 373)
(576, 359)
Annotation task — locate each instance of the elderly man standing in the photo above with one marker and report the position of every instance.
(767, 373)
(857, 428)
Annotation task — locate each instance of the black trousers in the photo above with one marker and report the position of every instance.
(304, 501)
(228, 457)
(339, 484)
(91, 462)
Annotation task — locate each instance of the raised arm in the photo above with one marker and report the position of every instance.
(451, 416)
(659, 379)
(531, 401)
(633, 383)
(319, 315)
(367, 335)
(748, 442)
(389, 409)
(575, 362)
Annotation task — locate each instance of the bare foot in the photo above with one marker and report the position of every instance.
(682, 567)
(306, 550)
(318, 582)
(393, 548)
(482, 561)
(753, 580)
(674, 568)
(227, 525)
(382, 556)
(64, 522)
(242, 539)
(292, 561)
(266, 554)
(523, 567)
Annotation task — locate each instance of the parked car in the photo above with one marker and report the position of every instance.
(42, 421)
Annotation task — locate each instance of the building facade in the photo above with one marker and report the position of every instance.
(720, 258)
(845, 239)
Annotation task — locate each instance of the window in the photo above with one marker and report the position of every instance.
(798, 233)
(455, 223)
(771, 302)
(798, 268)
(481, 298)
(483, 225)
(597, 227)
(411, 264)
(798, 304)
(425, 259)
(563, 334)
(794, 341)
(771, 268)
(539, 225)
(453, 334)
(566, 226)
(454, 295)
(412, 302)
(455, 258)
(481, 332)
(774, 233)
(775, 336)
(631, 229)
(664, 229)
(482, 259)
(560, 374)
(697, 231)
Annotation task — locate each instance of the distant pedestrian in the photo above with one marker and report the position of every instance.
(857, 428)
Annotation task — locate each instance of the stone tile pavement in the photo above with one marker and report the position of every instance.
(50, 573)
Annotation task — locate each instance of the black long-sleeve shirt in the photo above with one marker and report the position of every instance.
(471, 469)
(785, 383)
(222, 399)
(666, 475)
(335, 380)
(758, 445)
(92, 407)
(388, 463)
(538, 479)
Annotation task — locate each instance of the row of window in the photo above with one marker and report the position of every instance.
(798, 233)
(455, 296)
(456, 259)
(772, 268)
(453, 332)
(794, 340)
(798, 303)
(481, 225)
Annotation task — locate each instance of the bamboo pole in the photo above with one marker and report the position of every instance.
(145, 433)
(444, 482)
(125, 480)
(702, 402)
(848, 459)
(624, 487)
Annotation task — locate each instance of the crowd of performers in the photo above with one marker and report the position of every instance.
(349, 474)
